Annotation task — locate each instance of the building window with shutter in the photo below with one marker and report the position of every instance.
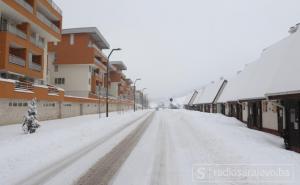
(59, 81)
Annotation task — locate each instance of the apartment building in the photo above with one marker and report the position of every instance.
(77, 63)
(117, 79)
(26, 26)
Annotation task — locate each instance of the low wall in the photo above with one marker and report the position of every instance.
(14, 103)
(13, 111)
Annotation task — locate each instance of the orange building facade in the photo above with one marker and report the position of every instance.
(26, 26)
(29, 69)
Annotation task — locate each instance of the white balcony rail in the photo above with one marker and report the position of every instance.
(16, 31)
(35, 66)
(47, 22)
(16, 60)
(13, 29)
(36, 42)
(99, 63)
(55, 7)
(28, 86)
(27, 6)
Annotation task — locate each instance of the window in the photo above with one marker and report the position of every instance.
(90, 69)
(89, 81)
(72, 39)
(55, 68)
(59, 81)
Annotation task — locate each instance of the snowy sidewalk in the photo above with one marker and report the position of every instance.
(23, 156)
(179, 142)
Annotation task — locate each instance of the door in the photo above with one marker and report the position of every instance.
(223, 108)
(239, 112)
(259, 115)
(293, 132)
(280, 121)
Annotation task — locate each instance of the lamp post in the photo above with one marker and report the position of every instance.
(107, 76)
(143, 98)
(134, 89)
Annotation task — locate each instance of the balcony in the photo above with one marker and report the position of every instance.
(6, 27)
(37, 43)
(25, 5)
(46, 21)
(16, 60)
(23, 86)
(54, 6)
(98, 62)
(35, 66)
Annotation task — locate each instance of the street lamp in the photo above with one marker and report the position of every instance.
(143, 98)
(134, 88)
(107, 76)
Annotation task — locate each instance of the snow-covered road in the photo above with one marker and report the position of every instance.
(169, 147)
(178, 142)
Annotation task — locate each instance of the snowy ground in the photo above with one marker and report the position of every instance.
(67, 146)
(177, 148)
(179, 142)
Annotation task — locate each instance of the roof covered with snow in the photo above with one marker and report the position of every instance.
(188, 98)
(209, 93)
(274, 73)
(286, 78)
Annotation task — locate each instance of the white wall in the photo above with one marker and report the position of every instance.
(114, 88)
(269, 118)
(48, 110)
(76, 79)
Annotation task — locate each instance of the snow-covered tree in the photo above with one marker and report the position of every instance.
(30, 123)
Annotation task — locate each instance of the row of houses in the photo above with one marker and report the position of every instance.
(265, 95)
(65, 69)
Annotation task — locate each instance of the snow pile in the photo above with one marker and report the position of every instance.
(24, 155)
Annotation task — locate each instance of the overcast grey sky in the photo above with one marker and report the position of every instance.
(178, 45)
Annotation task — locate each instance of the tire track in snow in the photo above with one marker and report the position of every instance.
(105, 169)
(159, 166)
(45, 174)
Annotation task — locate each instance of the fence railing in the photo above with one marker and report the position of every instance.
(27, 6)
(47, 22)
(24, 86)
(52, 89)
(55, 6)
(16, 60)
(12, 29)
(99, 63)
(37, 42)
(35, 66)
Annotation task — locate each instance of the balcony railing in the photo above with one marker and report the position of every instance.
(36, 42)
(55, 7)
(27, 6)
(27, 86)
(48, 22)
(99, 63)
(52, 89)
(35, 66)
(12, 29)
(16, 60)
